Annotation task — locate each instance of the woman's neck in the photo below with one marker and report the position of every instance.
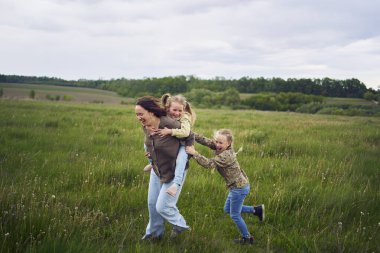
(155, 122)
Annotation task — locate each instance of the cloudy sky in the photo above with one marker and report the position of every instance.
(104, 39)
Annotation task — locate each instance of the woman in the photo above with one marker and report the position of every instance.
(163, 153)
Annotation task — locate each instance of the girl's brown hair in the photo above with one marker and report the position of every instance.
(167, 99)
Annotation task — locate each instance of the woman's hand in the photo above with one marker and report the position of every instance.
(163, 132)
(172, 190)
(190, 150)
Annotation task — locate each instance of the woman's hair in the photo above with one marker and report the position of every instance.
(167, 100)
(151, 104)
(227, 133)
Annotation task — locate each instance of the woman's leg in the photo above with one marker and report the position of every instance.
(236, 198)
(167, 206)
(155, 226)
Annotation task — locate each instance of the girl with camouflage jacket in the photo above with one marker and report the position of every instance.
(237, 182)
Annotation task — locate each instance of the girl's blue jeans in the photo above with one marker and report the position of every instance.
(234, 207)
(180, 166)
(163, 206)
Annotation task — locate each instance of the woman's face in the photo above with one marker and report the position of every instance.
(221, 143)
(175, 110)
(143, 115)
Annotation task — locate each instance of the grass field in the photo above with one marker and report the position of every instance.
(71, 181)
(72, 94)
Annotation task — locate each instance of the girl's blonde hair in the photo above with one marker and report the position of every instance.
(229, 137)
(167, 100)
(227, 133)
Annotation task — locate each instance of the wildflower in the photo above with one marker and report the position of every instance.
(361, 213)
(7, 234)
(340, 225)
(53, 196)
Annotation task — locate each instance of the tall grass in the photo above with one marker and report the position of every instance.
(71, 181)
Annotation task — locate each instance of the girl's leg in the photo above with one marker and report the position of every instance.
(247, 209)
(167, 207)
(180, 166)
(155, 226)
(237, 196)
(244, 209)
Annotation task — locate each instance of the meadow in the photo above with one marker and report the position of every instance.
(43, 92)
(71, 180)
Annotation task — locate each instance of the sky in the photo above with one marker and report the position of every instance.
(110, 39)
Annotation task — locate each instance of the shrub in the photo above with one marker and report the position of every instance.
(67, 98)
(49, 97)
(32, 94)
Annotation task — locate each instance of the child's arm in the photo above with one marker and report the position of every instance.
(182, 132)
(223, 159)
(204, 141)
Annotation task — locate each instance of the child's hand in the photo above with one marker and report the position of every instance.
(147, 154)
(164, 132)
(190, 150)
(172, 190)
(151, 130)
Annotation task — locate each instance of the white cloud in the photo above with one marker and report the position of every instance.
(128, 38)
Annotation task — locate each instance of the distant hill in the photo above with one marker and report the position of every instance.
(63, 93)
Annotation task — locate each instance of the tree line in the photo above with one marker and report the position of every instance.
(349, 88)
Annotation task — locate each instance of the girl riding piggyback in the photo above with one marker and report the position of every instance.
(179, 109)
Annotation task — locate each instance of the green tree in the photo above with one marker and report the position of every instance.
(1, 92)
(369, 96)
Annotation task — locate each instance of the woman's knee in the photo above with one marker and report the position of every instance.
(162, 208)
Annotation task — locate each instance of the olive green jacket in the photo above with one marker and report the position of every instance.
(164, 150)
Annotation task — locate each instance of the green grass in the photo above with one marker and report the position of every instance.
(348, 101)
(71, 181)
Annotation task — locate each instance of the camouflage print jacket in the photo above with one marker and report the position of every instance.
(225, 163)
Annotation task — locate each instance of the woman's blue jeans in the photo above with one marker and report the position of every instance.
(163, 206)
(234, 207)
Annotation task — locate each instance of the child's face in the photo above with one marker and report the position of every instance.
(175, 110)
(221, 143)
